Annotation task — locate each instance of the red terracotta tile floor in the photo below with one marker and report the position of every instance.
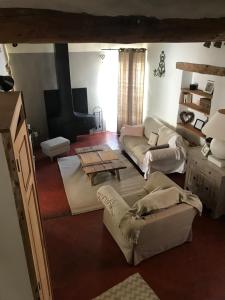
(85, 261)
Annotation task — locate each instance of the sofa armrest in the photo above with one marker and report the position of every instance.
(112, 202)
(157, 179)
(178, 214)
(164, 154)
(164, 230)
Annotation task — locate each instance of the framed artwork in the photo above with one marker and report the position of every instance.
(187, 116)
(205, 150)
(209, 88)
(199, 124)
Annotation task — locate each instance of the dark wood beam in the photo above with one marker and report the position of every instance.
(42, 26)
(200, 68)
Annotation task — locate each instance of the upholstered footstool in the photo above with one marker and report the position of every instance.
(56, 146)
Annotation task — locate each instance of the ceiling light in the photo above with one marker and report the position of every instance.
(218, 44)
(207, 44)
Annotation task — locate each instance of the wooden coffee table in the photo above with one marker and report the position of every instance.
(99, 159)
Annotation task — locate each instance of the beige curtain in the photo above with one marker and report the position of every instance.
(131, 87)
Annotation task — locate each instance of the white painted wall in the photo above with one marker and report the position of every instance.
(3, 61)
(87, 69)
(14, 278)
(99, 75)
(107, 86)
(164, 92)
(33, 73)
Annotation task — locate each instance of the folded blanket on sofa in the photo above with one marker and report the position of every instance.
(163, 198)
(156, 200)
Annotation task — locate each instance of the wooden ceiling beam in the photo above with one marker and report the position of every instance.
(49, 26)
(200, 68)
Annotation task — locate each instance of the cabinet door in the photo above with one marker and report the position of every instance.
(24, 163)
(199, 183)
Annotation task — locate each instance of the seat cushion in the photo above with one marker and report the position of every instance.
(132, 141)
(139, 151)
(54, 144)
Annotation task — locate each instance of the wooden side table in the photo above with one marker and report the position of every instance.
(207, 181)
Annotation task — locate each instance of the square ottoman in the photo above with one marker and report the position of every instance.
(56, 146)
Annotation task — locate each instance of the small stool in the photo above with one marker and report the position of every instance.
(56, 146)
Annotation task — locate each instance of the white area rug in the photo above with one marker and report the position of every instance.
(133, 288)
(81, 194)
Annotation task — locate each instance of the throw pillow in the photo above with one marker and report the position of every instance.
(156, 200)
(136, 130)
(165, 135)
(153, 139)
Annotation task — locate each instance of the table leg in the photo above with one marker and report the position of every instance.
(118, 174)
(92, 176)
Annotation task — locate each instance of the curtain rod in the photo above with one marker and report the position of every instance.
(110, 49)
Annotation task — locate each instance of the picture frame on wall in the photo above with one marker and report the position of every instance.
(209, 88)
(205, 150)
(199, 124)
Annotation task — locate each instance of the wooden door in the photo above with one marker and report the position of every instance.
(25, 169)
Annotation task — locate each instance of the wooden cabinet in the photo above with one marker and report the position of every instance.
(207, 181)
(19, 156)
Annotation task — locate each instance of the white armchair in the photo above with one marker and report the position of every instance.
(152, 234)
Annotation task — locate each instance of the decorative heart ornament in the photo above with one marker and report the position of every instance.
(187, 116)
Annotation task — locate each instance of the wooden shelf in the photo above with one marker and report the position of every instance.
(200, 68)
(189, 127)
(197, 92)
(196, 107)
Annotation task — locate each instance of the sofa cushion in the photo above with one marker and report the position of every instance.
(132, 141)
(139, 151)
(151, 125)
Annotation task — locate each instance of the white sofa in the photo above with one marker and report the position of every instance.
(137, 147)
(159, 231)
